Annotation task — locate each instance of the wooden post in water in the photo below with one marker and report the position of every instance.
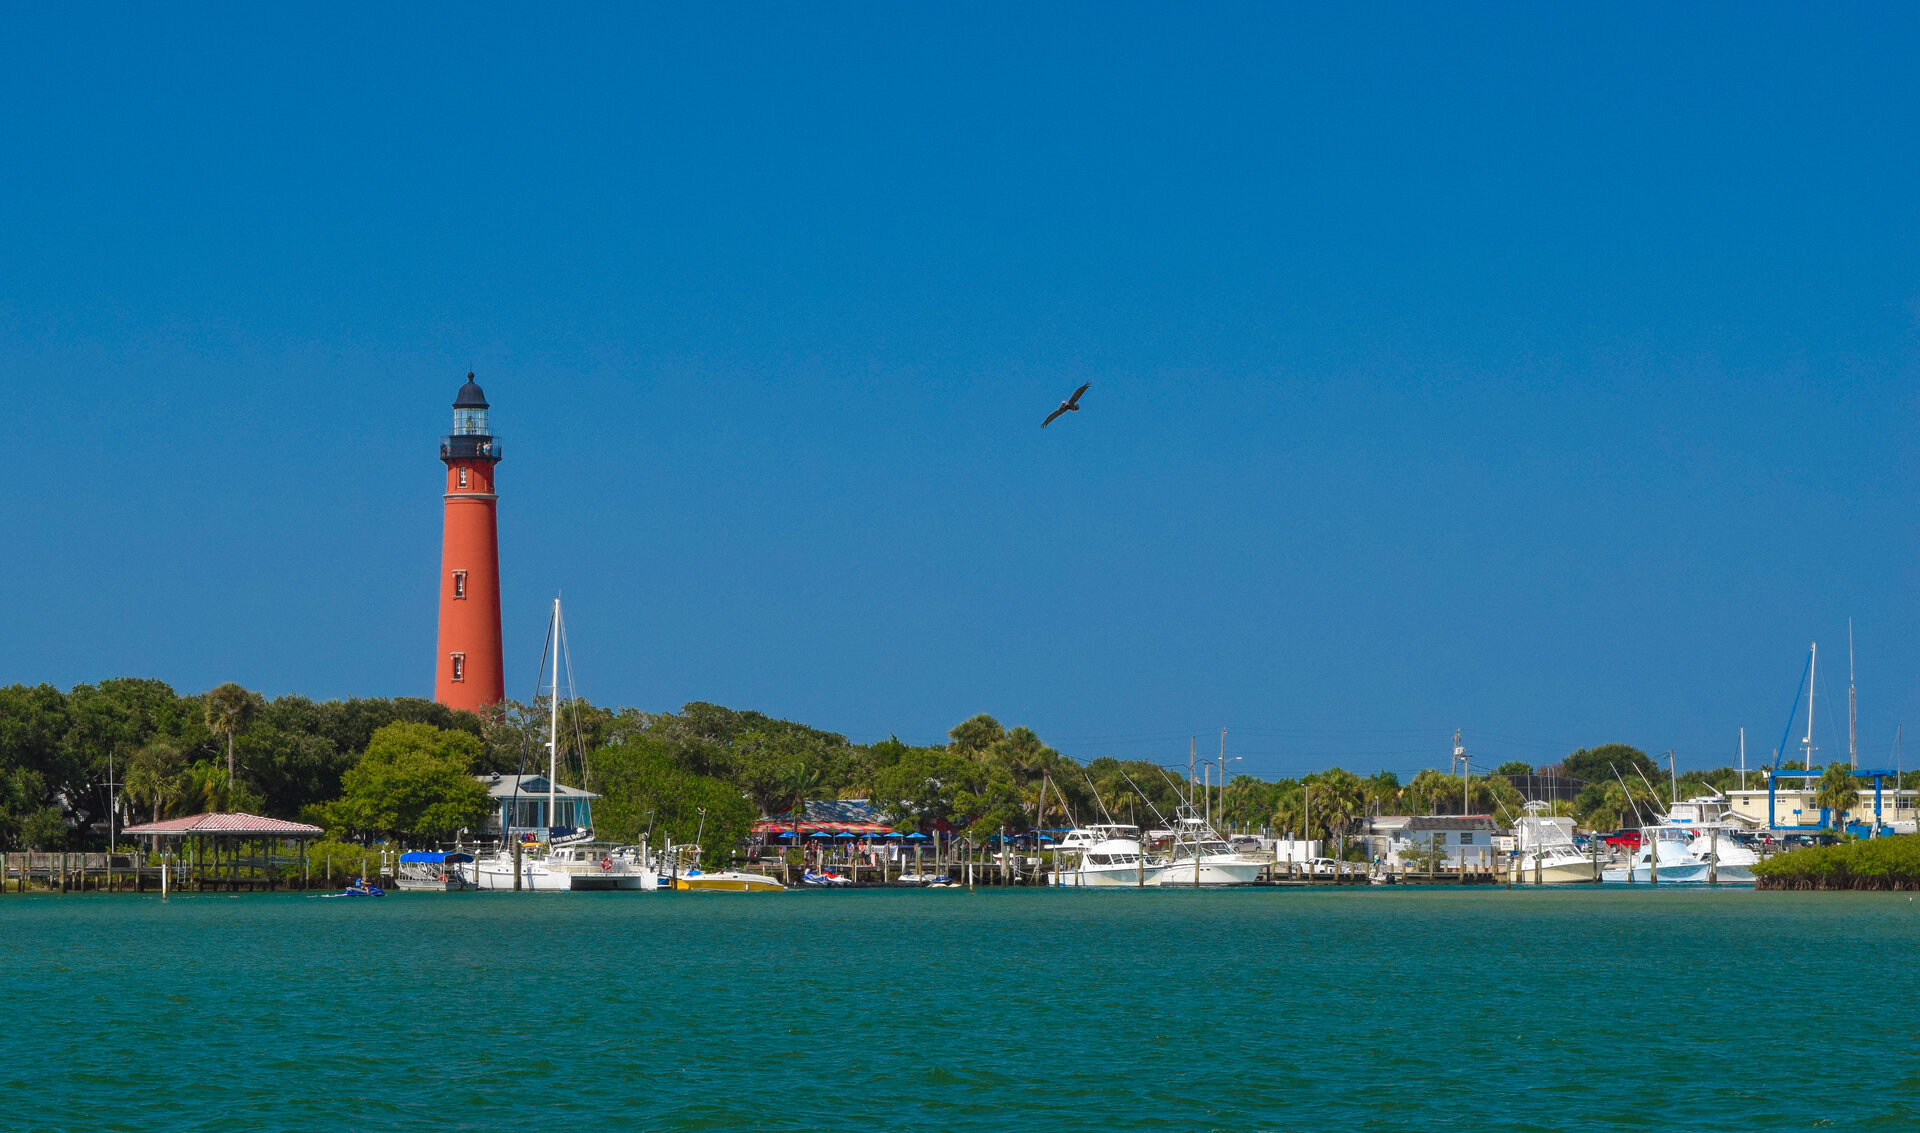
(516, 864)
(1713, 855)
(1653, 858)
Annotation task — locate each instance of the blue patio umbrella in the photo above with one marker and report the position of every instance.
(844, 834)
(893, 834)
(916, 836)
(819, 834)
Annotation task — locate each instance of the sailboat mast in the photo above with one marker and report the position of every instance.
(1743, 757)
(1813, 660)
(1853, 708)
(553, 728)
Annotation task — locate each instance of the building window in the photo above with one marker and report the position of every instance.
(463, 477)
(1466, 839)
(459, 584)
(459, 666)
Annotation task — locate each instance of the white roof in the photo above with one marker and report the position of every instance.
(506, 786)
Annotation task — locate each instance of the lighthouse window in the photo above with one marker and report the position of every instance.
(463, 477)
(459, 584)
(459, 666)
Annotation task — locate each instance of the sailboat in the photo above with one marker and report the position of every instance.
(566, 859)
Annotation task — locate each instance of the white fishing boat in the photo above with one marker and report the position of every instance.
(1105, 855)
(1201, 857)
(1666, 848)
(1548, 853)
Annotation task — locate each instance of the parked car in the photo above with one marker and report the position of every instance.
(1322, 867)
(1630, 839)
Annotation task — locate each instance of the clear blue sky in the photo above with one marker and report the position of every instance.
(1551, 374)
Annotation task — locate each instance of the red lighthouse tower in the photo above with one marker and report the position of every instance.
(470, 675)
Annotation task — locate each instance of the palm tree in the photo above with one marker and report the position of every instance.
(229, 708)
(153, 777)
(1838, 793)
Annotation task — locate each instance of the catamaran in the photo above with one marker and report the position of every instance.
(556, 857)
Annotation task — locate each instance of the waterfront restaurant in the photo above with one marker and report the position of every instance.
(520, 806)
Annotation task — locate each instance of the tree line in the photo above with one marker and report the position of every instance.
(404, 768)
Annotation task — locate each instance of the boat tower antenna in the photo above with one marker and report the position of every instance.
(1143, 794)
(1098, 801)
(1623, 787)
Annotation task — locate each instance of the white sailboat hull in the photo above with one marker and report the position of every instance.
(536, 876)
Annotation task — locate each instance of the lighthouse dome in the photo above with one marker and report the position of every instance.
(470, 396)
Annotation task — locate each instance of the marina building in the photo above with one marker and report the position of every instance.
(1392, 838)
(523, 805)
(1794, 807)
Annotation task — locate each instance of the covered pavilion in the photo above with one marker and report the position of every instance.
(214, 849)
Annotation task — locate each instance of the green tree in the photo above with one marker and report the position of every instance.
(154, 778)
(1514, 767)
(1338, 801)
(1424, 854)
(415, 783)
(975, 735)
(1838, 793)
(643, 788)
(923, 786)
(1604, 763)
(26, 820)
(229, 708)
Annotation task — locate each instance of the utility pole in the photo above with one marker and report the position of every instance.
(1466, 773)
(1853, 708)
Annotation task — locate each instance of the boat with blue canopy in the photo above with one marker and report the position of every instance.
(434, 871)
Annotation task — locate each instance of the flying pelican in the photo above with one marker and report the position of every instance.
(1070, 405)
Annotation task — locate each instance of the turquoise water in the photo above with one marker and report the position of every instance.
(1247, 1010)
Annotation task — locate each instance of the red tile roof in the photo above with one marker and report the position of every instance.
(235, 823)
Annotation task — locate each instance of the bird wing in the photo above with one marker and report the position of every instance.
(1051, 416)
(1075, 399)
